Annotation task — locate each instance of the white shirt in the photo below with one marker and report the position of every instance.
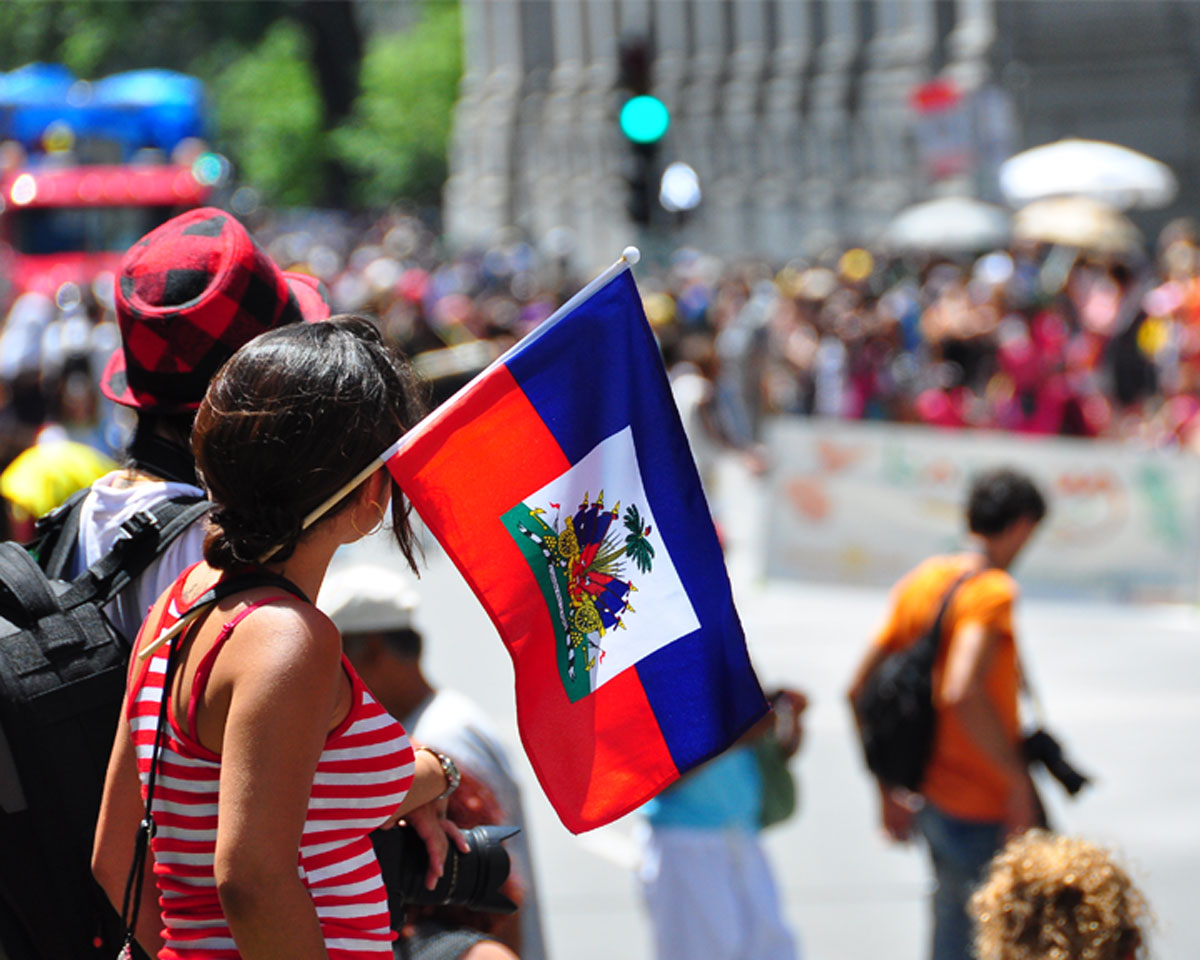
(104, 510)
(454, 724)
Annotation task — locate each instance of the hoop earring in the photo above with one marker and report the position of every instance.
(375, 529)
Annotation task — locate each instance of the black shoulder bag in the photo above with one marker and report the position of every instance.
(896, 715)
(62, 678)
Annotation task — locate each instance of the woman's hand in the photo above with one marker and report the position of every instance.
(789, 729)
(438, 831)
(424, 809)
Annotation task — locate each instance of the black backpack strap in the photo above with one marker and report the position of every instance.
(145, 536)
(925, 650)
(27, 599)
(58, 532)
(178, 514)
(161, 525)
(25, 593)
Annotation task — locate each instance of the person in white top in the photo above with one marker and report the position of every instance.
(113, 499)
(373, 608)
(188, 294)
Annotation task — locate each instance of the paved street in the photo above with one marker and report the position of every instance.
(1122, 687)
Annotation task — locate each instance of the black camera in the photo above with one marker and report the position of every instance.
(471, 879)
(1041, 747)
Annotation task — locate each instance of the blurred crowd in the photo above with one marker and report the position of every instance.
(1033, 338)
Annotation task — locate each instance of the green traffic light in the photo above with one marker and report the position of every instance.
(207, 169)
(644, 119)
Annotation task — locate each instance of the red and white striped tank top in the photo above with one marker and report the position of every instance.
(363, 774)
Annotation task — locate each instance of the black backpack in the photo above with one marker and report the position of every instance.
(62, 678)
(896, 715)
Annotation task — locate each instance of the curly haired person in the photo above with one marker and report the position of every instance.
(1050, 897)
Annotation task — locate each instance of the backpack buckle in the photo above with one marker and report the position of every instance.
(50, 519)
(141, 522)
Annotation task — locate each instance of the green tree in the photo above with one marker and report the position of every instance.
(397, 137)
(97, 37)
(304, 116)
(268, 112)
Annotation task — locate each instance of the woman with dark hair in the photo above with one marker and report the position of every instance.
(276, 761)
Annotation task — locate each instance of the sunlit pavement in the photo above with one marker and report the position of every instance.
(1121, 686)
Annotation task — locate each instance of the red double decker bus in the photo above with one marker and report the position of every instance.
(71, 224)
(86, 168)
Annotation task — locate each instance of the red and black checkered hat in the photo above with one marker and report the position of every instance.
(189, 293)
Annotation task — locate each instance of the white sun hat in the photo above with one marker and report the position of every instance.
(366, 598)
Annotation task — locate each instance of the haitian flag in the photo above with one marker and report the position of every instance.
(560, 483)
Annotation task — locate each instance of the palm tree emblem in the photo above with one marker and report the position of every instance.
(637, 543)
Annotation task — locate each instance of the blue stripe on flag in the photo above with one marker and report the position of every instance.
(591, 374)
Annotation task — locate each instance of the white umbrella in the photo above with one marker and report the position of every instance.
(950, 225)
(1103, 171)
(1077, 222)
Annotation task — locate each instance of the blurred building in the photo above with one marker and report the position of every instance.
(809, 122)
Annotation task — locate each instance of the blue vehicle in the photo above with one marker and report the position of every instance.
(111, 119)
(86, 168)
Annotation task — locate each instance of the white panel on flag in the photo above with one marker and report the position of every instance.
(616, 597)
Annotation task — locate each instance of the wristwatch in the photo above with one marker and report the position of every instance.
(449, 770)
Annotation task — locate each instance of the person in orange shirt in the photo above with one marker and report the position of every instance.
(976, 789)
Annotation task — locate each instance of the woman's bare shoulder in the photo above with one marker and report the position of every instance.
(280, 631)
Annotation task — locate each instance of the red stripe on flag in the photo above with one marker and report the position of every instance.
(632, 759)
(482, 457)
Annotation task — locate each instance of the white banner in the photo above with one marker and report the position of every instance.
(856, 502)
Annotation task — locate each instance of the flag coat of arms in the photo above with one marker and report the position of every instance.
(561, 485)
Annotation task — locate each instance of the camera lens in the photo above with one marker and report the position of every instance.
(1041, 747)
(471, 879)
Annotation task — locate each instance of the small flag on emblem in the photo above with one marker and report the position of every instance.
(560, 483)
